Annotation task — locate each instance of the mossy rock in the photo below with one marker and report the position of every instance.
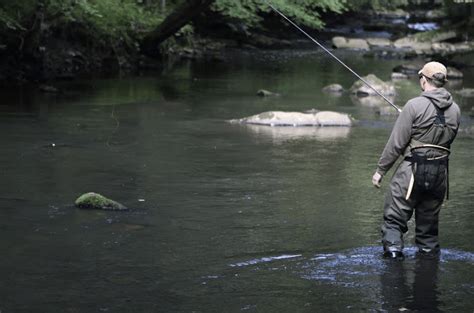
(95, 201)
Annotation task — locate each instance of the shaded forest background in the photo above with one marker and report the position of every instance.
(43, 39)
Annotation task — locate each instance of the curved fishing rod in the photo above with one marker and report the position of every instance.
(331, 54)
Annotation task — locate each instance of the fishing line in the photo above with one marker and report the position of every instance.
(332, 55)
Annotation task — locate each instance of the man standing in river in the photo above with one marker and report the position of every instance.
(422, 134)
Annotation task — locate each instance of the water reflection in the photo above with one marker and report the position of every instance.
(425, 286)
(283, 133)
(421, 296)
(371, 101)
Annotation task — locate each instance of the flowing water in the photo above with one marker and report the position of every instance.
(223, 217)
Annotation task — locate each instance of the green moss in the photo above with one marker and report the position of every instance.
(96, 201)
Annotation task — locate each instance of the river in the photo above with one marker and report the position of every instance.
(223, 217)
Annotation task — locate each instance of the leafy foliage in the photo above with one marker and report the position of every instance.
(378, 4)
(112, 19)
(304, 12)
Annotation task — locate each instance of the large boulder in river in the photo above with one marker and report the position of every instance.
(279, 118)
(360, 89)
(340, 42)
(92, 200)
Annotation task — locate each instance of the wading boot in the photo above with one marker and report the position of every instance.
(426, 253)
(394, 255)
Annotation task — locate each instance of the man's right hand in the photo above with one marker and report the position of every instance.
(377, 179)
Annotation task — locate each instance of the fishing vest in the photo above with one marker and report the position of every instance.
(430, 155)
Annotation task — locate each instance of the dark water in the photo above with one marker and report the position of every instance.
(224, 218)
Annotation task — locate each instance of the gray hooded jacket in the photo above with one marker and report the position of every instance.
(418, 114)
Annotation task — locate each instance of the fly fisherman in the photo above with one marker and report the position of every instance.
(422, 134)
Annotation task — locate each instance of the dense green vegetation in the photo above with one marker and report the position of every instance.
(118, 28)
(129, 20)
(305, 12)
(105, 20)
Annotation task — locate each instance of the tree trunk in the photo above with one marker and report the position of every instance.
(173, 23)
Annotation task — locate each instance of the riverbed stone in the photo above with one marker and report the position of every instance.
(443, 48)
(413, 44)
(350, 43)
(95, 201)
(280, 118)
(334, 89)
(267, 93)
(379, 42)
(360, 89)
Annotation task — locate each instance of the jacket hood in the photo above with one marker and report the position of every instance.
(440, 97)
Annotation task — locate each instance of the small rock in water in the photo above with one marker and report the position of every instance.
(266, 93)
(96, 201)
(334, 89)
(48, 89)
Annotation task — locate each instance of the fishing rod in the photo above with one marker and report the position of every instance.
(331, 54)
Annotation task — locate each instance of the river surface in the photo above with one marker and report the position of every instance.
(223, 217)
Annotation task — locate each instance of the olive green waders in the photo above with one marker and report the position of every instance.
(425, 204)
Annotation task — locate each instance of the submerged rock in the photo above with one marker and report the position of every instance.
(279, 118)
(96, 201)
(360, 89)
(334, 89)
(266, 93)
